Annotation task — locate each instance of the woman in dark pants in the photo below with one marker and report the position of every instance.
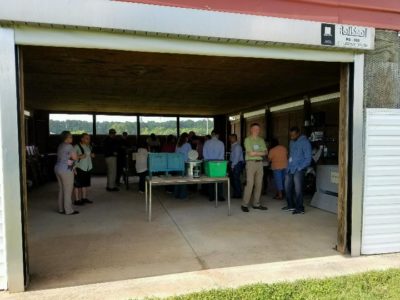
(141, 165)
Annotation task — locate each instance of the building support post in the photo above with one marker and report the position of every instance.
(343, 159)
(357, 155)
(10, 174)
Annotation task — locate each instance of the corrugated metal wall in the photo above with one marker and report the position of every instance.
(3, 267)
(381, 211)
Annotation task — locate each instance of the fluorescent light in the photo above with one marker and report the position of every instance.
(254, 113)
(326, 97)
(234, 118)
(287, 106)
(27, 113)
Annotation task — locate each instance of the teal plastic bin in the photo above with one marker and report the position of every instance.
(166, 162)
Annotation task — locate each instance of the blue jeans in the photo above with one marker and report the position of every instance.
(235, 179)
(294, 190)
(279, 177)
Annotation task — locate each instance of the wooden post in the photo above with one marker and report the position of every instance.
(307, 116)
(343, 158)
(243, 132)
(22, 143)
(178, 126)
(268, 125)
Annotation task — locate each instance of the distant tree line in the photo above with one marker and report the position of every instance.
(200, 127)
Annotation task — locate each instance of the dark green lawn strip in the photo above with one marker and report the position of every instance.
(365, 286)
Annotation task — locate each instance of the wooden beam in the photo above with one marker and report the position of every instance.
(307, 116)
(23, 166)
(343, 159)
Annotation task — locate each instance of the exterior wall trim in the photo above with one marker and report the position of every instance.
(35, 36)
(179, 22)
(358, 155)
(9, 156)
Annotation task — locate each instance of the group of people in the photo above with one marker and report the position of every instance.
(74, 165)
(211, 149)
(288, 168)
(73, 172)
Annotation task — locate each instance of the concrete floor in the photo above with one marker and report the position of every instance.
(111, 240)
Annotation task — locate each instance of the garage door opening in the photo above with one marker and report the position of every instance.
(111, 238)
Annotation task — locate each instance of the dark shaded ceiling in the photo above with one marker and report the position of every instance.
(88, 80)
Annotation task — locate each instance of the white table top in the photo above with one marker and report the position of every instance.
(164, 180)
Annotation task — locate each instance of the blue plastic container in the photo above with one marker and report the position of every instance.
(166, 162)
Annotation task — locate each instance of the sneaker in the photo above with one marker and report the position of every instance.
(73, 213)
(287, 208)
(245, 209)
(298, 212)
(260, 207)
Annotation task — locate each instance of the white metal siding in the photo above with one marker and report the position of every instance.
(381, 209)
(3, 269)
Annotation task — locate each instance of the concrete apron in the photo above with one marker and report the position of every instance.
(233, 277)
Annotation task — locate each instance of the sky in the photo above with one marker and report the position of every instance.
(109, 118)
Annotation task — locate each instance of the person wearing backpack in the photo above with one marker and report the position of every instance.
(83, 168)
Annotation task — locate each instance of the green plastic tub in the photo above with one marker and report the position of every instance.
(216, 168)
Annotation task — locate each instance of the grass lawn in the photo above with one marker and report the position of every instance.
(371, 285)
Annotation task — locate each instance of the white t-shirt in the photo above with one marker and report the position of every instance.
(141, 160)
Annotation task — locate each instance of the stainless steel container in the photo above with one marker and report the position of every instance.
(193, 168)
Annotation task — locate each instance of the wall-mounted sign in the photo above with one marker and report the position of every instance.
(328, 34)
(346, 36)
(334, 177)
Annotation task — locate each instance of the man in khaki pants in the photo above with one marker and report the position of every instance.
(255, 151)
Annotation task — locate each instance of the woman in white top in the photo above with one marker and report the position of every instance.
(83, 168)
(141, 165)
(183, 147)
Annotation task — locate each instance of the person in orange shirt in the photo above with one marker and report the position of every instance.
(278, 155)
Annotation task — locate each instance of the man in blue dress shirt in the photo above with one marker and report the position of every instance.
(214, 149)
(299, 159)
(237, 164)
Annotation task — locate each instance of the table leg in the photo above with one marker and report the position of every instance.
(216, 194)
(229, 197)
(150, 200)
(146, 196)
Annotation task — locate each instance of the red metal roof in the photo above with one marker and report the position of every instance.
(383, 14)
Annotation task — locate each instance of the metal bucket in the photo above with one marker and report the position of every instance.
(193, 168)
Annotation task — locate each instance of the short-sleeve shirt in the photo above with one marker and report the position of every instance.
(278, 157)
(64, 152)
(184, 149)
(141, 160)
(254, 144)
(85, 164)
